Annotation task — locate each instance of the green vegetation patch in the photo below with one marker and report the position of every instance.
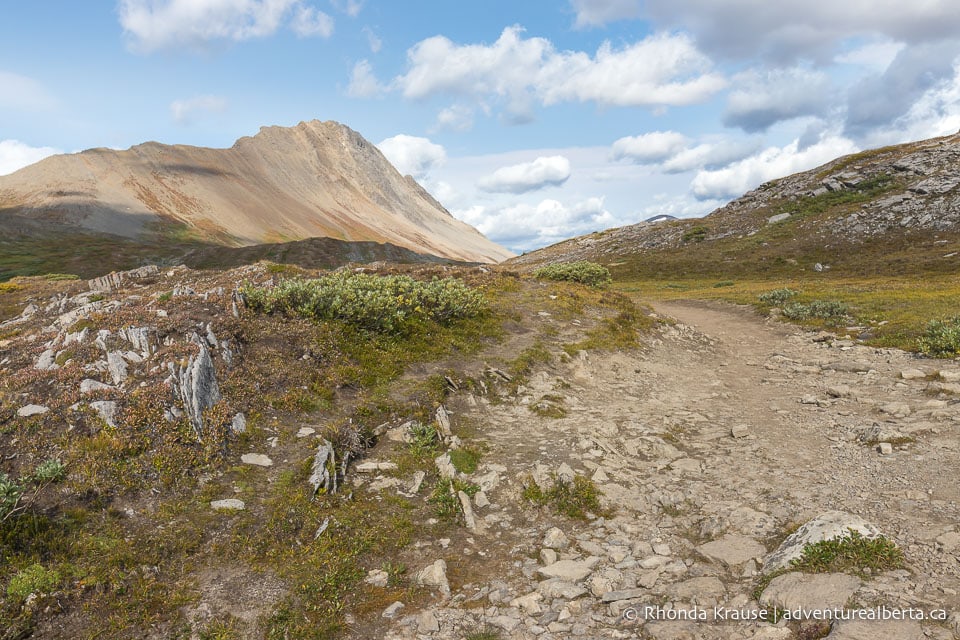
(941, 339)
(582, 271)
(777, 297)
(574, 499)
(833, 310)
(33, 579)
(385, 304)
(851, 552)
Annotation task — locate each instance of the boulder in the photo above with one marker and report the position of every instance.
(809, 591)
(826, 526)
(196, 386)
(434, 575)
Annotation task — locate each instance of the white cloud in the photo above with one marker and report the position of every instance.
(523, 226)
(595, 13)
(373, 40)
(15, 155)
(874, 55)
(152, 25)
(764, 98)
(773, 162)
(711, 154)
(23, 93)
(184, 111)
(308, 22)
(528, 176)
(808, 30)
(363, 82)
(350, 7)
(649, 148)
(660, 70)
(455, 118)
(412, 155)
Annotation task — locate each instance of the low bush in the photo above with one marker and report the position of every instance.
(573, 499)
(777, 297)
(821, 309)
(18, 495)
(34, 579)
(941, 338)
(387, 304)
(582, 271)
(850, 552)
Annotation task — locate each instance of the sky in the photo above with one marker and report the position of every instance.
(533, 121)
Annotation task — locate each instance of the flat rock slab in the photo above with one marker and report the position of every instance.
(826, 526)
(810, 591)
(257, 459)
(732, 550)
(230, 504)
(569, 570)
(32, 410)
(875, 629)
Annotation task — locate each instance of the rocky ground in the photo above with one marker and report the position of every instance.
(710, 445)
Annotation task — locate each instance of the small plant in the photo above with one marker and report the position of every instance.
(14, 495)
(850, 552)
(549, 406)
(777, 297)
(465, 460)
(821, 309)
(34, 579)
(445, 500)
(395, 573)
(582, 271)
(53, 277)
(571, 498)
(695, 234)
(941, 339)
(424, 440)
(486, 633)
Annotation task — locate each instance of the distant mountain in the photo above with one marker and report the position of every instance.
(314, 180)
(892, 210)
(663, 217)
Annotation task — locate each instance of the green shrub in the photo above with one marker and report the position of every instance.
(777, 297)
(10, 493)
(387, 304)
(695, 234)
(941, 339)
(465, 459)
(822, 309)
(12, 500)
(582, 271)
(34, 579)
(850, 552)
(444, 498)
(573, 499)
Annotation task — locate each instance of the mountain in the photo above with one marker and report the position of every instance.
(317, 179)
(890, 210)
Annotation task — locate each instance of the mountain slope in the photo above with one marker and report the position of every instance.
(318, 179)
(886, 210)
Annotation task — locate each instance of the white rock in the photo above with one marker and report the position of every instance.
(229, 504)
(876, 629)
(239, 423)
(434, 575)
(32, 410)
(117, 367)
(739, 431)
(46, 361)
(305, 431)
(732, 550)
(89, 386)
(372, 466)
(913, 374)
(556, 539)
(567, 570)
(810, 591)
(826, 526)
(548, 556)
(427, 622)
(481, 500)
(529, 604)
(885, 448)
(392, 611)
(107, 410)
(377, 578)
(257, 459)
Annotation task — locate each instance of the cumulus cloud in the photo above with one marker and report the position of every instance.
(363, 82)
(15, 155)
(373, 40)
(712, 154)
(185, 111)
(873, 55)
(412, 155)
(455, 118)
(525, 226)
(152, 25)
(812, 29)
(350, 7)
(774, 162)
(308, 22)
(22, 93)
(881, 99)
(649, 148)
(762, 99)
(661, 70)
(595, 13)
(528, 176)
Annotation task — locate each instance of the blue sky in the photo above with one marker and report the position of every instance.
(533, 121)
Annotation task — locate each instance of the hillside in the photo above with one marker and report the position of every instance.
(877, 212)
(317, 179)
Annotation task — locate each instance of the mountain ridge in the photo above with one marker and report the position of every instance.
(316, 179)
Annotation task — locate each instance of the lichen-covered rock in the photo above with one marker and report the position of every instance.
(195, 385)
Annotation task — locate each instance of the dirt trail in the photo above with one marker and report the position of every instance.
(726, 427)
